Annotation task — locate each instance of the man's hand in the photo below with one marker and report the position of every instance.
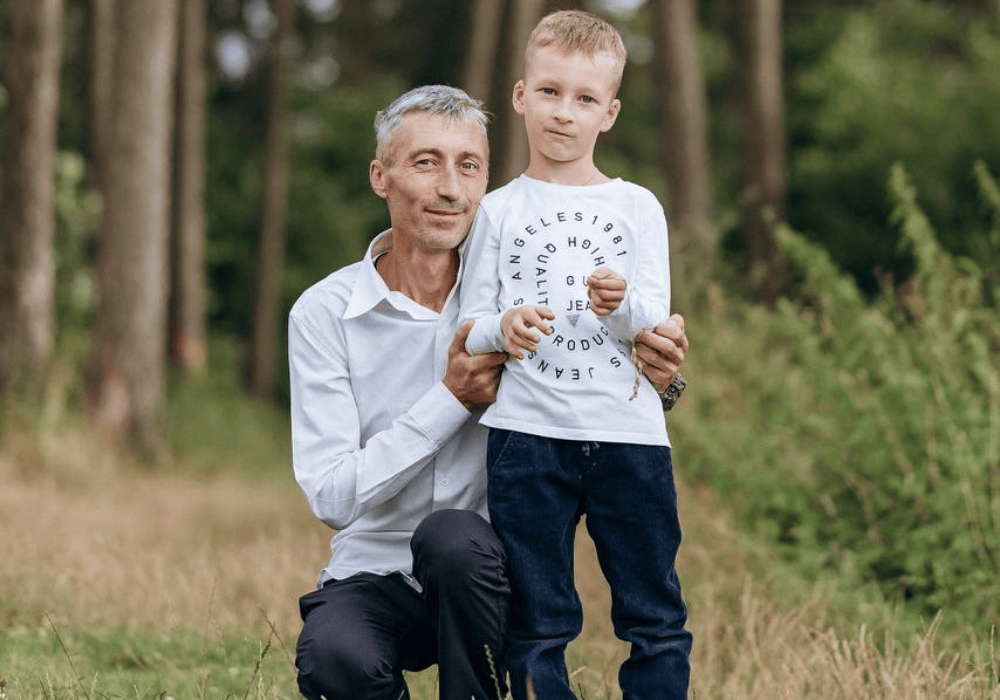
(472, 379)
(661, 351)
(517, 325)
(606, 289)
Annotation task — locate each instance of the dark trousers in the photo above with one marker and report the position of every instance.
(360, 633)
(538, 488)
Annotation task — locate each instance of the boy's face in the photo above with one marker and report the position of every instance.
(432, 180)
(566, 100)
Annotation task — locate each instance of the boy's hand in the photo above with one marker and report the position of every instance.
(517, 326)
(606, 289)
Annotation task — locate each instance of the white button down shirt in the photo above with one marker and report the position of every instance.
(378, 441)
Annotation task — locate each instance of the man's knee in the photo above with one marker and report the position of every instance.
(455, 542)
(336, 668)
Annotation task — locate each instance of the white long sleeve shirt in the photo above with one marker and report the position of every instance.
(378, 441)
(535, 243)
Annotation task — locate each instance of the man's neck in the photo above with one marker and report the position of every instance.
(426, 276)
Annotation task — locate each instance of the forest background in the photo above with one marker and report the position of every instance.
(173, 173)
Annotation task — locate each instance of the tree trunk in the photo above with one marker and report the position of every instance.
(271, 252)
(683, 137)
(187, 317)
(481, 57)
(103, 39)
(125, 385)
(524, 16)
(27, 267)
(764, 198)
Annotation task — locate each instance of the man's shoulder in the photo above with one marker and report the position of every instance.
(330, 295)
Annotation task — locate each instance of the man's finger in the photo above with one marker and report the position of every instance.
(461, 335)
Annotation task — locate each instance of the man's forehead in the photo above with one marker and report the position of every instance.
(420, 130)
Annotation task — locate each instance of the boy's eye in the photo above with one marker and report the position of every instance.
(548, 91)
(587, 99)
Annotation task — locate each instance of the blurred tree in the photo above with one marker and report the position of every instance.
(524, 16)
(683, 135)
(271, 249)
(125, 382)
(484, 39)
(27, 216)
(102, 40)
(187, 308)
(764, 196)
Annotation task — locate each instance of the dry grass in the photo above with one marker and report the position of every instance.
(90, 540)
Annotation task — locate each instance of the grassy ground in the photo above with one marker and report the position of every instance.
(124, 582)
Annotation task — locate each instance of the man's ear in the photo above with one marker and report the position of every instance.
(612, 115)
(517, 98)
(376, 177)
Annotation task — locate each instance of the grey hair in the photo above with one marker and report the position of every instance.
(441, 100)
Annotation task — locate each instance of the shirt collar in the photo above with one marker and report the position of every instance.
(370, 289)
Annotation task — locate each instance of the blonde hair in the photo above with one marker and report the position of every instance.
(576, 31)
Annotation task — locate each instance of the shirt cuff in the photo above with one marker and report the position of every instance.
(485, 336)
(439, 414)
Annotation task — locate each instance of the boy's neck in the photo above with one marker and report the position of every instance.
(579, 174)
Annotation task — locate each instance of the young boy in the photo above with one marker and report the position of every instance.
(564, 267)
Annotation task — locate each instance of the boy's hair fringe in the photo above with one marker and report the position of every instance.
(577, 31)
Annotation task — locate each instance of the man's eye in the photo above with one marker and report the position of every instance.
(470, 166)
(425, 162)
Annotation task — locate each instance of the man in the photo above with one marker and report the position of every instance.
(385, 434)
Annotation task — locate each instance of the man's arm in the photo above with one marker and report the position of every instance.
(661, 351)
(341, 478)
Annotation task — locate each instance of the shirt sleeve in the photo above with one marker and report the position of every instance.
(647, 297)
(480, 288)
(342, 478)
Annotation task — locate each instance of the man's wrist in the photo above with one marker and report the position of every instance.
(669, 396)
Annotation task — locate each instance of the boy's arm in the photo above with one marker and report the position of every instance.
(647, 296)
(480, 286)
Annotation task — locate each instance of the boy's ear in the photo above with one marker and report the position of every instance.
(518, 97)
(612, 115)
(376, 177)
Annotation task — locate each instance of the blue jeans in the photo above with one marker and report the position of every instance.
(537, 489)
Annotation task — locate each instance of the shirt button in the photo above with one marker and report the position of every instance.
(444, 482)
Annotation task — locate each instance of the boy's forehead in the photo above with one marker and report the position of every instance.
(552, 56)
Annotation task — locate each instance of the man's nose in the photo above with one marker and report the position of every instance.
(448, 183)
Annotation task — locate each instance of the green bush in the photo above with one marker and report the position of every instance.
(865, 436)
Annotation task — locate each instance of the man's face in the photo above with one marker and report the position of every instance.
(566, 100)
(432, 179)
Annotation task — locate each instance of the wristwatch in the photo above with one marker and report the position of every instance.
(669, 396)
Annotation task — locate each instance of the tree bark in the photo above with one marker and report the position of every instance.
(481, 57)
(764, 198)
(271, 252)
(27, 220)
(683, 136)
(103, 39)
(125, 384)
(524, 16)
(187, 309)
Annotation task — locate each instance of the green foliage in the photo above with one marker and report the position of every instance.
(865, 436)
(909, 80)
(78, 218)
